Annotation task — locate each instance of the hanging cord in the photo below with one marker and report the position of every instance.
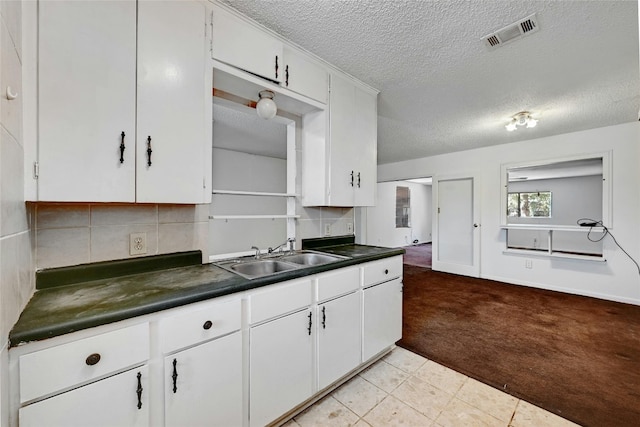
(588, 222)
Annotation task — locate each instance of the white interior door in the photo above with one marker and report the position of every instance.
(456, 231)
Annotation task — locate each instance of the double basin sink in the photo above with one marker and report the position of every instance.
(252, 268)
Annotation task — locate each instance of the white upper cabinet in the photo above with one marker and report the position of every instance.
(174, 103)
(88, 102)
(340, 150)
(304, 76)
(236, 42)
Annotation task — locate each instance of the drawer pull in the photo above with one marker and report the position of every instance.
(93, 359)
(207, 325)
(139, 390)
(386, 271)
(174, 376)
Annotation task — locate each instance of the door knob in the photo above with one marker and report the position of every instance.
(476, 225)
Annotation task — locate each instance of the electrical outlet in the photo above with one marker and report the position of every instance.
(327, 229)
(528, 263)
(349, 228)
(137, 243)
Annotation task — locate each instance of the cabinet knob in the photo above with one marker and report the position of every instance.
(11, 95)
(207, 325)
(92, 359)
(386, 271)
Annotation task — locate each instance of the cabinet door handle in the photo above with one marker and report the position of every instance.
(139, 390)
(174, 376)
(122, 147)
(286, 76)
(276, 66)
(207, 325)
(149, 151)
(92, 359)
(324, 318)
(358, 179)
(352, 178)
(309, 327)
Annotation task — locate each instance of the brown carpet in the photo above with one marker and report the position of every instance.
(419, 255)
(575, 356)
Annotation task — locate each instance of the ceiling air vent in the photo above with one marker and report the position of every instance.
(512, 32)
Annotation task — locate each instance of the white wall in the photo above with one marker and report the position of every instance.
(16, 267)
(616, 279)
(381, 219)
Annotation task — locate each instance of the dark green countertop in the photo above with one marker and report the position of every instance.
(57, 310)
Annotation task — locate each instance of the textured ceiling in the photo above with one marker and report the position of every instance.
(442, 90)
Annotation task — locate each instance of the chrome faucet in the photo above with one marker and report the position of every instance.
(290, 241)
(257, 249)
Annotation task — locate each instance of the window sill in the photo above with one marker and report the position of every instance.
(555, 254)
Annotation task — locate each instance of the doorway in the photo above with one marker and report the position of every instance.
(456, 225)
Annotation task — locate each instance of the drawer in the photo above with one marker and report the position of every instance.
(66, 365)
(336, 283)
(279, 299)
(200, 323)
(382, 270)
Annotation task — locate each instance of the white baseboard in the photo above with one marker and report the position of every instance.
(572, 291)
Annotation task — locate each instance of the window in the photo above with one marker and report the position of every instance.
(529, 205)
(403, 207)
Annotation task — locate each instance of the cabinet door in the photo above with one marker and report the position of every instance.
(304, 76)
(338, 338)
(86, 100)
(110, 402)
(281, 366)
(366, 143)
(342, 123)
(207, 389)
(244, 46)
(382, 309)
(173, 97)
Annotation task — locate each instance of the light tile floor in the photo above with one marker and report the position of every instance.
(405, 389)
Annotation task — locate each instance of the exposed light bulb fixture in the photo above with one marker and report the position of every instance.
(266, 106)
(523, 118)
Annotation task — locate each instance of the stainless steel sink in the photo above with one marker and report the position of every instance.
(259, 268)
(252, 268)
(311, 258)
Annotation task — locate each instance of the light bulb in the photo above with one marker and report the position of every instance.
(531, 123)
(266, 107)
(511, 126)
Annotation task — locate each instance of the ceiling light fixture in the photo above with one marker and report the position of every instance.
(266, 106)
(521, 119)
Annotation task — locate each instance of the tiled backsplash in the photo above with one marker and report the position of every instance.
(71, 234)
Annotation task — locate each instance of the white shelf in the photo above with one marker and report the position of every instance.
(554, 254)
(253, 193)
(253, 216)
(542, 227)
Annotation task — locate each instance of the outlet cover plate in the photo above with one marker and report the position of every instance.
(137, 243)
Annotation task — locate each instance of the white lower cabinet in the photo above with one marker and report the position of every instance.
(338, 338)
(241, 360)
(382, 314)
(203, 384)
(281, 366)
(119, 400)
